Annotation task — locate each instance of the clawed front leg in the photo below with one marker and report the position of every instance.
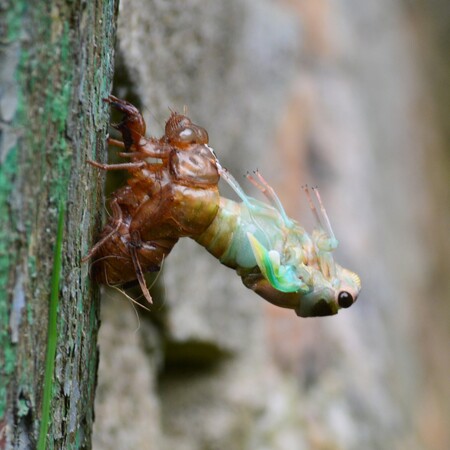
(132, 126)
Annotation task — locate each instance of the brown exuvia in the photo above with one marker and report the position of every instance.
(172, 192)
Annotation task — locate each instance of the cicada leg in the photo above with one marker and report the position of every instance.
(117, 219)
(122, 166)
(326, 239)
(323, 237)
(263, 186)
(116, 143)
(140, 273)
(132, 126)
(233, 183)
(271, 195)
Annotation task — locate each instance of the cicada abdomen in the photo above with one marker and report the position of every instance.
(120, 256)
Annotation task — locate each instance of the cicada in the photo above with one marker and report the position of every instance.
(173, 192)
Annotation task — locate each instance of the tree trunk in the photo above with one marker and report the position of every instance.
(56, 63)
(329, 92)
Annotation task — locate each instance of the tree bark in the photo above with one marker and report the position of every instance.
(323, 92)
(56, 63)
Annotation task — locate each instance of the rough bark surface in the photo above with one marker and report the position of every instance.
(326, 92)
(56, 64)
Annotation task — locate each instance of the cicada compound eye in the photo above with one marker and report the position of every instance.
(187, 135)
(345, 299)
(192, 135)
(181, 131)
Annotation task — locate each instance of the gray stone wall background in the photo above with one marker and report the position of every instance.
(328, 92)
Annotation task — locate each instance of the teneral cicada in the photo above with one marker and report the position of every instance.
(173, 193)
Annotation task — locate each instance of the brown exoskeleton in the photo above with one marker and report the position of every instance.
(172, 192)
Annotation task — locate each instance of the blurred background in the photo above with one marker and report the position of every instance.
(348, 95)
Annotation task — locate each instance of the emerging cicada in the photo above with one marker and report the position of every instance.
(173, 193)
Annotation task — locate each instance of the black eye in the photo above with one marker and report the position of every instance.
(345, 299)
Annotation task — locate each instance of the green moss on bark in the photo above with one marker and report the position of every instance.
(62, 55)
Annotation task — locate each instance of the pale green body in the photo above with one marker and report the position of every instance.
(227, 237)
(277, 258)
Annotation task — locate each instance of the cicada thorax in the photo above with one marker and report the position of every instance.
(185, 201)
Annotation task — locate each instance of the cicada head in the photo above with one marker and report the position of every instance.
(329, 294)
(182, 133)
